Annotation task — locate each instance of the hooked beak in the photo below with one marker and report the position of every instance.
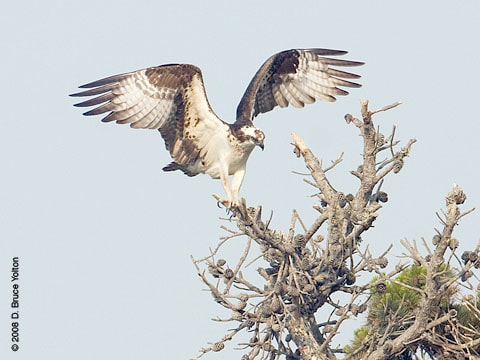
(261, 146)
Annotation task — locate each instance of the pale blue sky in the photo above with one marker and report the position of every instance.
(104, 236)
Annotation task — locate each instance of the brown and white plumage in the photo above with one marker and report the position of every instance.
(172, 99)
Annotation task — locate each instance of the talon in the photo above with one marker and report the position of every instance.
(225, 202)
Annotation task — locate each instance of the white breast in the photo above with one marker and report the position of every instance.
(223, 151)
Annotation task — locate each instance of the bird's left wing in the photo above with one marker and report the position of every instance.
(297, 77)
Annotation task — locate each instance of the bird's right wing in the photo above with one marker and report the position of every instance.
(170, 98)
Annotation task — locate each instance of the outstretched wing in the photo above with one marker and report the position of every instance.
(297, 77)
(170, 98)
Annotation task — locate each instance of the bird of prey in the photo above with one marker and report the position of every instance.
(172, 99)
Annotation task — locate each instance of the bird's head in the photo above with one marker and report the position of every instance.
(253, 134)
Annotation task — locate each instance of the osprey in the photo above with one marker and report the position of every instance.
(171, 99)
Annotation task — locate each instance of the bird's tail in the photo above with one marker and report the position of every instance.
(175, 166)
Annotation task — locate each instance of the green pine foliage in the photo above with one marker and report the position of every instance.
(392, 307)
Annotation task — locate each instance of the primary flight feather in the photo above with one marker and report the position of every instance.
(171, 99)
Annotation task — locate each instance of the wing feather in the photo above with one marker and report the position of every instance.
(95, 91)
(278, 96)
(97, 100)
(303, 93)
(291, 94)
(343, 74)
(296, 77)
(169, 98)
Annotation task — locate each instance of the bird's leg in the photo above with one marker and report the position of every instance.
(237, 181)
(228, 202)
(232, 192)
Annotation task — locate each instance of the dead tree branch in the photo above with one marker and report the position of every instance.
(303, 270)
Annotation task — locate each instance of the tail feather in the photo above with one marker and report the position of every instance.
(175, 166)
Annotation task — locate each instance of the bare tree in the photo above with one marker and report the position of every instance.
(303, 272)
